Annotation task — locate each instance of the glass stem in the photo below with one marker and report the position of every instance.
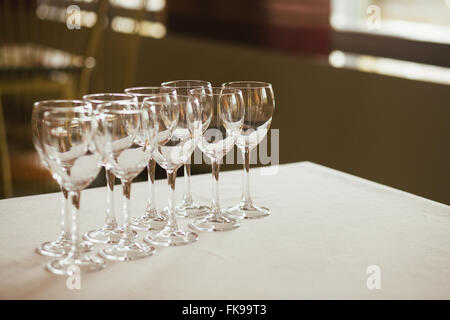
(172, 221)
(151, 203)
(111, 222)
(246, 199)
(126, 189)
(65, 216)
(215, 207)
(187, 197)
(75, 202)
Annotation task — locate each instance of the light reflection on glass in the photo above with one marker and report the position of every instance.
(420, 20)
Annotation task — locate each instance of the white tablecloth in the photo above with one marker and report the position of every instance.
(326, 228)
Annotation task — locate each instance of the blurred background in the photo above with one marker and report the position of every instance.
(361, 86)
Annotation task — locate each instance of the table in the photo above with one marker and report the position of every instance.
(326, 229)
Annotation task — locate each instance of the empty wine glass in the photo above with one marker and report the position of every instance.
(259, 106)
(109, 233)
(67, 145)
(188, 208)
(61, 246)
(125, 139)
(223, 115)
(173, 150)
(152, 219)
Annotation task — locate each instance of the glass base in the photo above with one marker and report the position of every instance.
(85, 246)
(57, 248)
(214, 222)
(60, 248)
(247, 212)
(127, 252)
(169, 238)
(149, 222)
(105, 236)
(191, 210)
(67, 266)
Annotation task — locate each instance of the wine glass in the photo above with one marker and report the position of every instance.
(172, 151)
(259, 106)
(67, 145)
(109, 233)
(188, 208)
(125, 139)
(61, 246)
(223, 115)
(152, 219)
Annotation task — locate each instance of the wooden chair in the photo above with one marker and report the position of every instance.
(25, 71)
(19, 25)
(5, 185)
